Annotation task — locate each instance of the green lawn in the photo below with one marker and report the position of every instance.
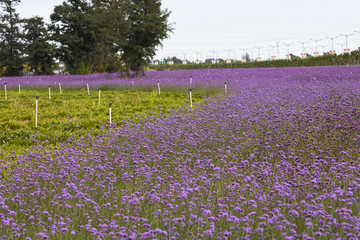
(74, 113)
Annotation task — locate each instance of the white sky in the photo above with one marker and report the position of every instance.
(221, 28)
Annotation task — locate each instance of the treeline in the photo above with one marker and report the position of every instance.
(88, 37)
(352, 58)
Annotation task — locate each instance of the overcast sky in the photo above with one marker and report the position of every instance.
(222, 28)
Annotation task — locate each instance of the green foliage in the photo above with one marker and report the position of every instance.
(106, 35)
(133, 28)
(91, 37)
(110, 23)
(39, 51)
(326, 60)
(10, 39)
(73, 26)
(174, 59)
(75, 113)
(147, 27)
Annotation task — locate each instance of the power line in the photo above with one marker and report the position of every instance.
(346, 36)
(232, 52)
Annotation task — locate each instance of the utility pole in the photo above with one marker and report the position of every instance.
(228, 53)
(288, 50)
(358, 41)
(332, 44)
(273, 52)
(243, 57)
(278, 49)
(316, 41)
(259, 58)
(323, 47)
(342, 47)
(303, 49)
(244, 49)
(346, 36)
(214, 52)
(197, 55)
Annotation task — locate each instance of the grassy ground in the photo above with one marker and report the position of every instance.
(74, 112)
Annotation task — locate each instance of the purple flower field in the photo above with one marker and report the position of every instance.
(113, 80)
(277, 157)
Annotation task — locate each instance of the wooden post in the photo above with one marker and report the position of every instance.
(5, 91)
(36, 112)
(99, 96)
(110, 114)
(191, 105)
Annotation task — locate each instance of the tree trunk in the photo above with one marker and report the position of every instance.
(127, 65)
(139, 72)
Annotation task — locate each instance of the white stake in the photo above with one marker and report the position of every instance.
(60, 88)
(225, 88)
(99, 96)
(132, 82)
(88, 89)
(110, 113)
(159, 87)
(190, 81)
(49, 93)
(191, 106)
(36, 111)
(19, 89)
(5, 91)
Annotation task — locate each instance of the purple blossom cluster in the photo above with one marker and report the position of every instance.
(276, 157)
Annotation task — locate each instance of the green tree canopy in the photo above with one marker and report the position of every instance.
(111, 25)
(89, 36)
(40, 53)
(10, 39)
(146, 26)
(132, 29)
(73, 26)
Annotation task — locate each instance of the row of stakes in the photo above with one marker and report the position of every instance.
(88, 91)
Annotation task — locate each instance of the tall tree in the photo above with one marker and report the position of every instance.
(40, 53)
(133, 29)
(111, 24)
(73, 26)
(147, 25)
(10, 38)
